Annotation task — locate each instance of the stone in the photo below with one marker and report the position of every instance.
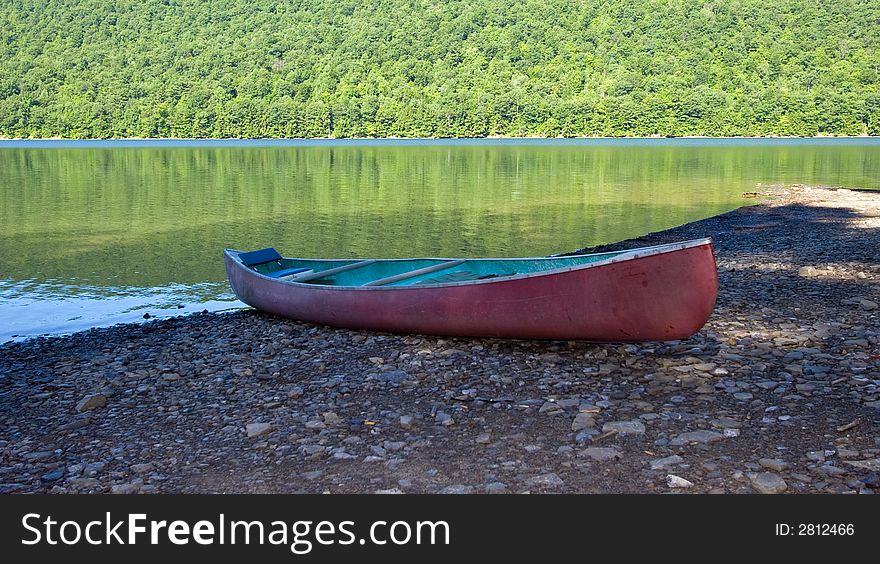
(457, 489)
(315, 425)
(390, 491)
(701, 437)
(258, 429)
(775, 464)
(550, 480)
(125, 489)
(768, 483)
(549, 407)
(406, 422)
(872, 465)
(91, 402)
(624, 427)
(330, 418)
(586, 435)
(495, 488)
(75, 424)
(667, 462)
(84, 483)
(53, 475)
(444, 419)
(601, 454)
(674, 481)
(726, 423)
(483, 438)
(142, 468)
(868, 305)
(807, 271)
(582, 421)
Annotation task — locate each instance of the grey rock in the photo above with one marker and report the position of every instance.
(674, 481)
(768, 483)
(872, 465)
(53, 475)
(390, 491)
(702, 437)
(775, 464)
(125, 488)
(726, 423)
(457, 489)
(444, 419)
(667, 462)
(258, 429)
(625, 427)
(91, 402)
(582, 421)
(550, 480)
(601, 454)
(495, 488)
(83, 483)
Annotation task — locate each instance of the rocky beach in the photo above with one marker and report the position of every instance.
(779, 392)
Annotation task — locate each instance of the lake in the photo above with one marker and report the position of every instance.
(99, 232)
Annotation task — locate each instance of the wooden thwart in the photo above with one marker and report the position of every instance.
(414, 273)
(305, 277)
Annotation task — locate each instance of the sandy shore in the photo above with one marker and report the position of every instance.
(780, 391)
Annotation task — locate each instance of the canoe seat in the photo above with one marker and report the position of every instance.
(286, 272)
(256, 258)
(456, 276)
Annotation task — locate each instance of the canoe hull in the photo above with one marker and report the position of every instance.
(652, 298)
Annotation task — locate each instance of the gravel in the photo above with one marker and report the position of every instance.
(780, 390)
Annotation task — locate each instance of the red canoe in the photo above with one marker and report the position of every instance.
(648, 294)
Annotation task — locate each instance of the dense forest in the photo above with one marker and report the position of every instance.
(448, 68)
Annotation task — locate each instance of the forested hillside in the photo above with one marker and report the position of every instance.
(345, 68)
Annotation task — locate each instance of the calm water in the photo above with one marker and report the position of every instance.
(95, 233)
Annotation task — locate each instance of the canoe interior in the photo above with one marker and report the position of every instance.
(436, 270)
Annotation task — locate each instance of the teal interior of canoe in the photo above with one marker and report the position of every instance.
(412, 272)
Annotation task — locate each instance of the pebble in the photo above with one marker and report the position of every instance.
(674, 481)
(258, 429)
(444, 419)
(667, 462)
(144, 468)
(457, 489)
(583, 421)
(624, 427)
(601, 454)
(702, 437)
(53, 475)
(125, 489)
(496, 488)
(90, 402)
(774, 464)
(768, 483)
(550, 480)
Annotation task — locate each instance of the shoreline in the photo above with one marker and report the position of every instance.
(379, 140)
(780, 391)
